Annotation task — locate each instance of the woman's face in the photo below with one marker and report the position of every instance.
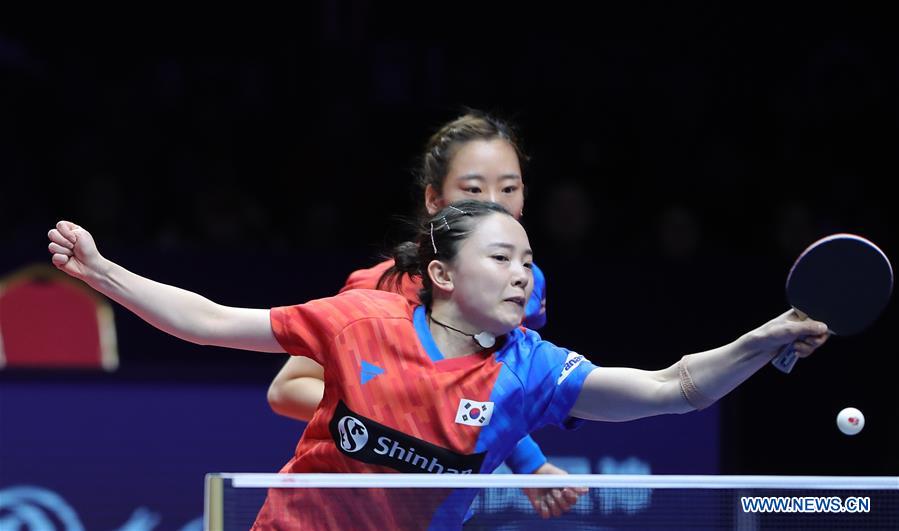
(491, 275)
(485, 170)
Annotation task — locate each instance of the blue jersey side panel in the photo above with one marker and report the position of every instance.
(533, 317)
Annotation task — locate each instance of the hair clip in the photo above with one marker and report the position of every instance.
(434, 245)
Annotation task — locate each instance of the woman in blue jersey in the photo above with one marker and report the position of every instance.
(475, 156)
(462, 348)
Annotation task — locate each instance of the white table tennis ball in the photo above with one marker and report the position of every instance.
(850, 421)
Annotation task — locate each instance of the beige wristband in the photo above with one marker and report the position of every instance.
(692, 395)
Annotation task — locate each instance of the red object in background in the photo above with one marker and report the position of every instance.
(48, 320)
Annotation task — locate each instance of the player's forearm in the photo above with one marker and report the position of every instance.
(697, 380)
(620, 393)
(178, 312)
(705, 377)
(296, 398)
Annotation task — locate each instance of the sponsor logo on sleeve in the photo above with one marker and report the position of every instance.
(573, 360)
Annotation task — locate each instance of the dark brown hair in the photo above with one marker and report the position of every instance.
(438, 238)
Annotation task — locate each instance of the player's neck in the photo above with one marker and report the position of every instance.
(452, 343)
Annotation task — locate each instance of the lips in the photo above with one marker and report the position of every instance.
(517, 300)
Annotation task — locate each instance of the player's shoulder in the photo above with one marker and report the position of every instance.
(368, 277)
(376, 303)
(519, 345)
(525, 350)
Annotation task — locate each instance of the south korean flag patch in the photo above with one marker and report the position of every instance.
(474, 413)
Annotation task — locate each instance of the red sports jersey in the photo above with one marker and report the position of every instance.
(374, 361)
(393, 403)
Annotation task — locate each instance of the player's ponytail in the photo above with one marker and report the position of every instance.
(405, 262)
(438, 238)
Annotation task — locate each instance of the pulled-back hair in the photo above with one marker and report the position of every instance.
(437, 238)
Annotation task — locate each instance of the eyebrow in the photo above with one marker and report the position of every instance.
(479, 177)
(510, 247)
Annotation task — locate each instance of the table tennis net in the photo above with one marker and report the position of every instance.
(386, 501)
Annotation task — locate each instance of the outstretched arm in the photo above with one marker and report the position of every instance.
(178, 312)
(697, 380)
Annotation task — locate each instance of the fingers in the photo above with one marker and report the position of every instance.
(67, 229)
(60, 254)
(58, 238)
(565, 498)
(816, 328)
(60, 260)
(543, 509)
(549, 506)
(807, 327)
(789, 315)
(556, 502)
(788, 331)
(815, 341)
(805, 346)
(571, 494)
(559, 501)
(535, 496)
(794, 322)
(543, 502)
(55, 248)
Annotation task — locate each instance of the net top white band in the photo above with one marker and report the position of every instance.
(580, 480)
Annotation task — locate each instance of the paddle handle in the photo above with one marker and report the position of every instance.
(787, 358)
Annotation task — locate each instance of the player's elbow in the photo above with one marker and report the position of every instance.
(296, 399)
(207, 324)
(679, 395)
(669, 394)
(277, 397)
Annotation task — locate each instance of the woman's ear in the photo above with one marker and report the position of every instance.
(440, 275)
(433, 200)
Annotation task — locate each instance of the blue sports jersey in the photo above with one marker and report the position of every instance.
(393, 403)
(535, 310)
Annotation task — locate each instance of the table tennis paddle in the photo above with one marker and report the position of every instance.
(842, 280)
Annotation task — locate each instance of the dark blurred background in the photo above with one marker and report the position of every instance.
(681, 158)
